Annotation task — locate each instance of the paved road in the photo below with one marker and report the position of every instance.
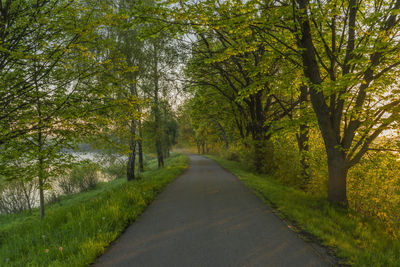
(207, 217)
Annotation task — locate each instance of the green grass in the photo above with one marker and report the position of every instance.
(354, 240)
(78, 229)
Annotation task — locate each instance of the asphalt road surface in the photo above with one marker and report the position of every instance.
(207, 217)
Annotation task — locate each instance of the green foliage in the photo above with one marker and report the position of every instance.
(58, 73)
(287, 167)
(374, 189)
(81, 226)
(83, 177)
(116, 169)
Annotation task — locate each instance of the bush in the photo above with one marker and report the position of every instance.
(53, 198)
(233, 153)
(287, 160)
(116, 169)
(66, 185)
(17, 195)
(85, 176)
(374, 189)
(247, 155)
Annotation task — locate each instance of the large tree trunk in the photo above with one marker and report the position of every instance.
(258, 155)
(337, 176)
(260, 146)
(258, 131)
(336, 158)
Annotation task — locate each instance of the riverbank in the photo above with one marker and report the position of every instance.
(78, 228)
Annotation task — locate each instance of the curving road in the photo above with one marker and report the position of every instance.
(207, 217)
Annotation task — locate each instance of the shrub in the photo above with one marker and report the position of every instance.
(233, 153)
(116, 169)
(53, 198)
(66, 185)
(17, 195)
(85, 176)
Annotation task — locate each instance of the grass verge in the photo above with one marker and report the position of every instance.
(78, 229)
(355, 240)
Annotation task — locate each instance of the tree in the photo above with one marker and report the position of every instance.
(350, 58)
(55, 78)
(233, 58)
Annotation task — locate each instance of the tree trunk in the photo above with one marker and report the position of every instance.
(40, 147)
(140, 146)
(160, 157)
(226, 140)
(337, 177)
(157, 119)
(198, 147)
(41, 177)
(303, 149)
(258, 144)
(41, 196)
(41, 171)
(303, 140)
(130, 172)
(203, 148)
(258, 156)
(336, 157)
(159, 149)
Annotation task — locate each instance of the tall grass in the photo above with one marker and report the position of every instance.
(356, 240)
(78, 229)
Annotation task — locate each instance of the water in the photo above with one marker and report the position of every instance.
(17, 196)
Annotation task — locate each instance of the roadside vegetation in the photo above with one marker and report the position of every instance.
(303, 91)
(355, 239)
(80, 226)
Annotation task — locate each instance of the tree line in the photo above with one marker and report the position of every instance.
(75, 72)
(262, 69)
